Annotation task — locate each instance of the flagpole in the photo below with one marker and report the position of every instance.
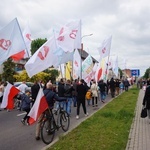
(61, 72)
(22, 38)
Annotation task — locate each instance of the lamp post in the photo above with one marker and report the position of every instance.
(82, 50)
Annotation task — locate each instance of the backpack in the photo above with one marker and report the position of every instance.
(88, 95)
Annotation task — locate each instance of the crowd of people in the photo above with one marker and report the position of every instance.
(68, 94)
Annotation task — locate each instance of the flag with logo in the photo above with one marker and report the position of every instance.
(76, 65)
(43, 58)
(104, 49)
(87, 67)
(8, 98)
(69, 37)
(27, 39)
(38, 108)
(11, 41)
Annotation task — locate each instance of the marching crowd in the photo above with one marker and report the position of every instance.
(75, 93)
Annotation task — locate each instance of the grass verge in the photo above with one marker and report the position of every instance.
(107, 129)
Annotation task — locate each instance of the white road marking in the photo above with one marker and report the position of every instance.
(21, 114)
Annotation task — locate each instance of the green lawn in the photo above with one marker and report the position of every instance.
(107, 129)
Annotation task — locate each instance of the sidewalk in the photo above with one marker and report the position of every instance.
(139, 137)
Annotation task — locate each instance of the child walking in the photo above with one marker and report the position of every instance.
(25, 105)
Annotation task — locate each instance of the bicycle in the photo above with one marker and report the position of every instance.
(50, 123)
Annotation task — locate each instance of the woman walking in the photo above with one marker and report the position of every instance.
(94, 90)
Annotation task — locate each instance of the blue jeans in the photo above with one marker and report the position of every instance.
(88, 102)
(74, 98)
(103, 95)
(62, 104)
(68, 105)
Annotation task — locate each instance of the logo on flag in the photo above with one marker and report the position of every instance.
(43, 53)
(5, 44)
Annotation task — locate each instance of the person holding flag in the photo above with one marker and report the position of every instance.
(45, 99)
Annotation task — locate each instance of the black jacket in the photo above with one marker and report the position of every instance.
(81, 91)
(146, 99)
(61, 89)
(34, 90)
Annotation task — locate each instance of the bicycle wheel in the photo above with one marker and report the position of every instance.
(48, 130)
(64, 121)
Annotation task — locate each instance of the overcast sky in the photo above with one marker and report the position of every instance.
(128, 21)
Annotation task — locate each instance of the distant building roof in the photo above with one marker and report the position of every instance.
(84, 54)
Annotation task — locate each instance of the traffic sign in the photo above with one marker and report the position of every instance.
(135, 72)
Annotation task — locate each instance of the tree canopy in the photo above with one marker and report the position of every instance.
(36, 44)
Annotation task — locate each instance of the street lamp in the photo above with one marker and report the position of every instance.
(86, 35)
(82, 50)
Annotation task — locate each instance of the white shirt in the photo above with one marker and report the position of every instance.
(22, 87)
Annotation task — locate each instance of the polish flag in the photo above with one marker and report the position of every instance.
(9, 93)
(38, 108)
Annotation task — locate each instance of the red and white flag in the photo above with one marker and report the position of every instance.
(38, 108)
(104, 49)
(11, 41)
(69, 37)
(43, 58)
(8, 98)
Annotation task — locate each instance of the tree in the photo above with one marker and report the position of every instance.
(42, 76)
(23, 76)
(8, 71)
(147, 73)
(53, 74)
(36, 44)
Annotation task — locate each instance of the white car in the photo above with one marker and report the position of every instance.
(29, 84)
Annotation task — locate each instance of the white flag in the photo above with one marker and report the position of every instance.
(94, 71)
(43, 58)
(69, 37)
(110, 63)
(11, 41)
(61, 68)
(27, 38)
(104, 49)
(76, 65)
(115, 66)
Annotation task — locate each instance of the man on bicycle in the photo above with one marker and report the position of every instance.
(51, 97)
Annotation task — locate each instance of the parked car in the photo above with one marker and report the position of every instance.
(29, 84)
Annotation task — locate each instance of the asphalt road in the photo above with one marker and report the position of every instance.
(16, 136)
